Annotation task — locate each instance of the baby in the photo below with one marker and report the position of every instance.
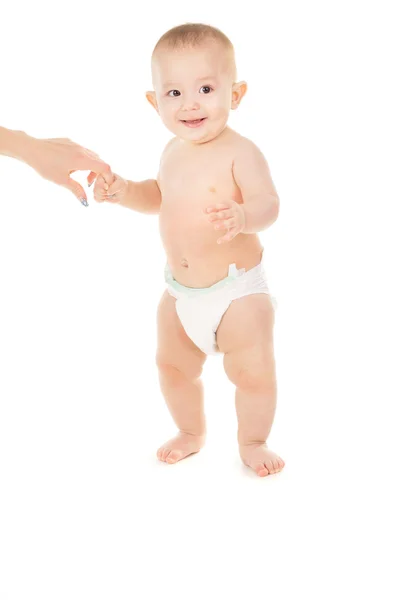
(213, 193)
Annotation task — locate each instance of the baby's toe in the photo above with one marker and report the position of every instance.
(163, 453)
(174, 456)
(268, 465)
(261, 470)
(278, 464)
(166, 454)
(275, 466)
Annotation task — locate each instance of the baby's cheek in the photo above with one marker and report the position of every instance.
(221, 114)
(219, 107)
(167, 117)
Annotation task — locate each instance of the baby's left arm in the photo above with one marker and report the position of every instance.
(260, 198)
(260, 206)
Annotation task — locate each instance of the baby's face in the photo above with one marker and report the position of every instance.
(194, 91)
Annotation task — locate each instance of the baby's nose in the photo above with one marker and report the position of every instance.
(190, 104)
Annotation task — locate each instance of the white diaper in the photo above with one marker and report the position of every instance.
(200, 310)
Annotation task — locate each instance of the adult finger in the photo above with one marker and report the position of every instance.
(88, 163)
(91, 177)
(91, 153)
(76, 189)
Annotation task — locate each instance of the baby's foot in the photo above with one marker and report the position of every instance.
(262, 460)
(180, 446)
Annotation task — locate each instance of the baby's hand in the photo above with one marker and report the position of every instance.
(113, 193)
(228, 215)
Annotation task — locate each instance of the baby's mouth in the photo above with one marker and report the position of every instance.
(193, 122)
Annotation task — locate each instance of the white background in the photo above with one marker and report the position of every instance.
(86, 510)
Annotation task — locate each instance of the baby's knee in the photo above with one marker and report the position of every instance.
(175, 372)
(254, 373)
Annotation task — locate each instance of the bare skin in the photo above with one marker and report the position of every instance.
(54, 159)
(213, 185)
(203, 173)
(180, 365)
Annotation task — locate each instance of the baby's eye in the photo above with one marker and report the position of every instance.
(172, 94)
(206, 89)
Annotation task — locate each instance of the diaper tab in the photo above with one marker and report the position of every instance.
(234, 272)
(168, 277)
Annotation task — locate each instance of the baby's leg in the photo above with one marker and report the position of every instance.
(180, 364)
(245, 335)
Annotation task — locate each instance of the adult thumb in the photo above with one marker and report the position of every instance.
(77, 190)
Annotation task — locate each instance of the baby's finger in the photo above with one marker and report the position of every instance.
(115, 187)
(217, 207)
(228, 236)
(100, 185)
(98, 197)
(100, 189)
(226, 224)
(108, 176)
(221, 214)
(114, 199)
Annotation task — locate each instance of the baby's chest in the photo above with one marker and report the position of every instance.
(198, 181)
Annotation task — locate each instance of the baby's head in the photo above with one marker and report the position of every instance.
(194, 77)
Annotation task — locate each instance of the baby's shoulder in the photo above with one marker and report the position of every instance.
(169, 146)
(244, 144)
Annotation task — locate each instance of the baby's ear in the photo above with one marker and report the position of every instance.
(151, 97)
(238, 91)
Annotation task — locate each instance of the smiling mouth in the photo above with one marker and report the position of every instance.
(193, 122)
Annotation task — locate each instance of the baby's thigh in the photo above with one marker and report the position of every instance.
(174, 347)
(248, 323)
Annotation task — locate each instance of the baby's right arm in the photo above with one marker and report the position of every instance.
(142, 196)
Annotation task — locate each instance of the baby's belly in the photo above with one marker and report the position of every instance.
(193, 255)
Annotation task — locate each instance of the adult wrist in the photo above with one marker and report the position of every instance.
(22, 146)
(25, 146)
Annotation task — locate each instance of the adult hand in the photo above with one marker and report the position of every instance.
(55, 160)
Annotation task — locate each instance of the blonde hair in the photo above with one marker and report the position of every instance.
(194, 35)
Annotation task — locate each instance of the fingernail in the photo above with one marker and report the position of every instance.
(83, 201)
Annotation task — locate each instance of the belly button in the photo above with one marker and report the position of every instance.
(184, 263)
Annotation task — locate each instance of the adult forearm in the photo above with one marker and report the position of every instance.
(143, 196)
(16, 144)
(260, 213)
